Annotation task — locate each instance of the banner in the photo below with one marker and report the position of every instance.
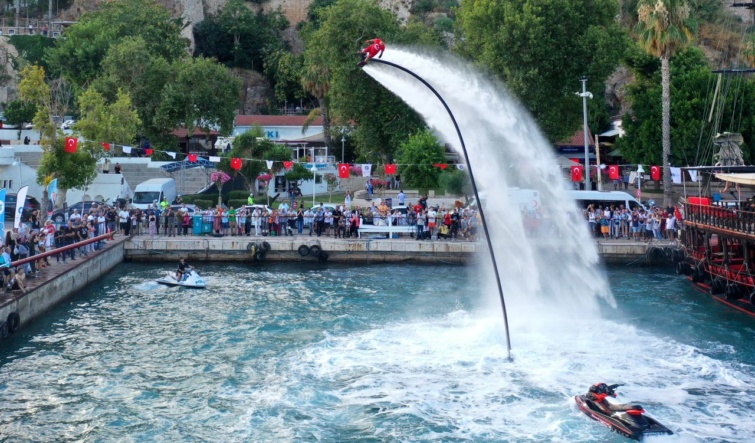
(366, 170)
(2, 209)
(52, 194)
(20, 203)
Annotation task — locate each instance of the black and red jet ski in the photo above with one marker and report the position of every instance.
(628, 420)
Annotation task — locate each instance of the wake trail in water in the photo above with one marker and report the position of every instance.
(556, 274)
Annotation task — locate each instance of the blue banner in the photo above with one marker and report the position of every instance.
(52, 194)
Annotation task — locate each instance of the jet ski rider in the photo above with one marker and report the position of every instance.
(183, 269)
(598, 393)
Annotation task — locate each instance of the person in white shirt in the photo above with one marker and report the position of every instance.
(431, 217)
(123, 219)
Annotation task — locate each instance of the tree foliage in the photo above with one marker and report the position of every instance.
(416, 157)
(383, 120)
(691, 95)
(101, 121)
(202, 94)
(19, 112)
(249, 145)
(239, 38)
(79, 55)
(540, 48)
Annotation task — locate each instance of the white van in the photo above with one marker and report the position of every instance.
(154, 190)
(528, 199)
(603, 198)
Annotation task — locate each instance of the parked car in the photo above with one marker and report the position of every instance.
(30, 205)
(28, 126)
(261, 207)
(68, 124)
(61, 215)
(4, 123)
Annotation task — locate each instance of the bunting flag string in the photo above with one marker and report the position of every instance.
(614, 171)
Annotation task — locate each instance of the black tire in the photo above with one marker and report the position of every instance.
(717, 287)
(260, 256)
(14, 321)
(732, 292)
(323, 257)
(303, 250)
(265, 246)
(752, 298)
(249, 247)
(315, 250)
(3, 330)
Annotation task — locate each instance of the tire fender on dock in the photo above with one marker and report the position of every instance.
(315, 250)
(304, 250)
(14, 321)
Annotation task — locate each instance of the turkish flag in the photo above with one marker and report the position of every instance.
(390, 169)
(655, 173)
(613, 172)
(343, 170)
(441, 165)
(288, 165)
(192, 158)
(105, 146)
(576, 173)
(236, 164)
(148, 151)
(71, 143)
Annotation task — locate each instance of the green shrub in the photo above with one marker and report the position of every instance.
(236, 202)
(189, 199)
(204, 204)
(238, 195)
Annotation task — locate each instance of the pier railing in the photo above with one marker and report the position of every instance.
(731, 219)
(62, 249)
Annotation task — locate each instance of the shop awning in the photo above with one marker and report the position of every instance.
(741, 178)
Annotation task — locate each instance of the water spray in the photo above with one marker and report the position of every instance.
(476, 194)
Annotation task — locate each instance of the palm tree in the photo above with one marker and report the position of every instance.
(663, 28)
(316, 81)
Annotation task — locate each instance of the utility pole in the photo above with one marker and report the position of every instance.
(585, 95)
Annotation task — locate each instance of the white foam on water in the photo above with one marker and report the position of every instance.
(451, 374)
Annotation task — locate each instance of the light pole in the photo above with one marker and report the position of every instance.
(343, 144)
(585, 95)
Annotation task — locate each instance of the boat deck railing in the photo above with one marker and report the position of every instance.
(731, 219)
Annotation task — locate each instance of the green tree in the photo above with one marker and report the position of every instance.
(101, 121)
(129, 66)
(202, 94)
(78, 56)
(31, 50)
(456, 182)
(416, 158)
(19, 112)
(383, 120)
(540, 48)
(249, 145)
(690, 106)
(663, 28)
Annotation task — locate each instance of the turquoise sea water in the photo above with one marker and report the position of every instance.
(306, 352)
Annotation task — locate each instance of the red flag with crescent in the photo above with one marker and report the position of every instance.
(288, 165)
(71, 144)
(343, 170)
(613, 172)
(390, 169)
(105, 146)
(236, 163)
(192, 158)
(576, 173)
(441, 165)
(655, 173)
(148, 151)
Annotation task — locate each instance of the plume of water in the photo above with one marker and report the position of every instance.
(557, 270)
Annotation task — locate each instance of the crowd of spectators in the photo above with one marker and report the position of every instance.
(618, 222)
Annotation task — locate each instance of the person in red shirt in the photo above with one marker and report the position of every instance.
(374, 47)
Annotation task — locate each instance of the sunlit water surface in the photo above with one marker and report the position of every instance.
(289, 353)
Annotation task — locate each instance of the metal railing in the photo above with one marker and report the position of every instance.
(62, 249)
(722, 218)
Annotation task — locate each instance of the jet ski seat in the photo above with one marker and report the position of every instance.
(623, 407)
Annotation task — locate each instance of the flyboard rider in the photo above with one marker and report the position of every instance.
(374, 47)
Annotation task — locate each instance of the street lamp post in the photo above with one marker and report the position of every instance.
(343, 144)
(585, 95)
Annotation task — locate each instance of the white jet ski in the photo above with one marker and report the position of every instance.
(190, 280)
